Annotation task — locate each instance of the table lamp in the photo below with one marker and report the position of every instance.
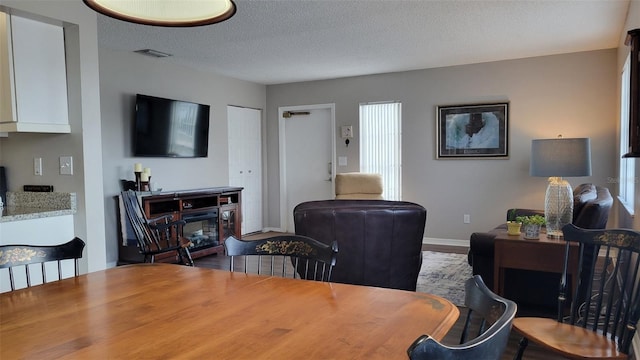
(558, 158)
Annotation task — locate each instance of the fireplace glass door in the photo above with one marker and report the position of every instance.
(201, 229)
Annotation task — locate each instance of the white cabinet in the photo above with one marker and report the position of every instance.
(33, 87)
(245, 163)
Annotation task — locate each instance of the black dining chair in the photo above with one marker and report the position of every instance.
(161, 235)
(309, 258)
(22, 258)
(600, 320)
(486, 329)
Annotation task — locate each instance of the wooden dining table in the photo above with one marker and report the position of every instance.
(164, 311)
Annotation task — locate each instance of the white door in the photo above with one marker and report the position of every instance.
(307, 150)
(245, 163)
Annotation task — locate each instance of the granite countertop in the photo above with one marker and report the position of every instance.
(34, 205)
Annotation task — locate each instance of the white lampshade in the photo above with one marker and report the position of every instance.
(172, 13)
(557, 158)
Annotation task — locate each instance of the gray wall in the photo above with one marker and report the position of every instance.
(573, 95)
(101, 86)
(122, 75)
(83, 143)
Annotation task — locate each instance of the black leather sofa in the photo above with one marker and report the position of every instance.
(379, 242)
(539, 289)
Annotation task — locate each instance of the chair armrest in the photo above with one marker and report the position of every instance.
(165, 218)
(167, 225)
(481, 244)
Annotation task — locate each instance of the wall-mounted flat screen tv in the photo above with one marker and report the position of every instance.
(170, 128)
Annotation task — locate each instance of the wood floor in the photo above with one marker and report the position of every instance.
(533, 352)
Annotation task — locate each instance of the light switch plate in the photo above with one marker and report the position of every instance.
(66, 165)
(37, 166)
(346, 132)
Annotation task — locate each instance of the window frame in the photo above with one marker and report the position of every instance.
(627, 179)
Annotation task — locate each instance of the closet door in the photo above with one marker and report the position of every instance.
(245, 163)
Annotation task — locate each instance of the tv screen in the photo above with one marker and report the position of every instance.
(170, 128)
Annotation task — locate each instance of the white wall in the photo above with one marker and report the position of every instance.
(573, 95)
(632, 22)
(122, 75)
(626, 220)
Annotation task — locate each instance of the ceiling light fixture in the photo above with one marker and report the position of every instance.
(170, 13)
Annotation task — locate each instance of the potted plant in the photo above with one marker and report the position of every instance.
(531, 225)
(513, 226)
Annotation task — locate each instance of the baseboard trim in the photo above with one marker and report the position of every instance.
(446, 242)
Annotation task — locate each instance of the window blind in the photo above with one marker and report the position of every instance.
(380, 145)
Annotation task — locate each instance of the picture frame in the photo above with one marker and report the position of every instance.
(472, 131)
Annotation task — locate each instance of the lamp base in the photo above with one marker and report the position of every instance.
(558, 206)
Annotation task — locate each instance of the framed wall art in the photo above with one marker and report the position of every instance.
(472, 131)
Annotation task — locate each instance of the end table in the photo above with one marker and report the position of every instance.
(543, 254)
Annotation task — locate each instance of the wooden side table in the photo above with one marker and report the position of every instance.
(543, 254)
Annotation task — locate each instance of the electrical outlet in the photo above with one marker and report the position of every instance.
(467, 219)
(66, 165)
(37, 166)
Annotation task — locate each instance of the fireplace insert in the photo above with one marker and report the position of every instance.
(201, 229)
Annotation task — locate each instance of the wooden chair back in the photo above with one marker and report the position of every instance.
(610, 305)
(14, 257)
(157, 235)
(309, 259)
(486, 329)
(600, 321)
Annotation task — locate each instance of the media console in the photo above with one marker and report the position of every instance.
(211, 215)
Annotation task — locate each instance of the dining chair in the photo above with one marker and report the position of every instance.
(160, 235)
(14, 257)
(489, 318)
(600, 320)
(309, 258)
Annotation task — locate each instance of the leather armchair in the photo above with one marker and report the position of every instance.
(590, 210)
(379, 242)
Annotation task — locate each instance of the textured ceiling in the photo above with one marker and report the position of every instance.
(282, 41)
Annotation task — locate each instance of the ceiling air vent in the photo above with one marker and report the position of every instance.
(153, 53)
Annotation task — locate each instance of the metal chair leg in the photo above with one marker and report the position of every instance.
(523, 344)
(187, 257)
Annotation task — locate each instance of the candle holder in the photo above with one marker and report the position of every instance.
(138, 182)
(144, 186)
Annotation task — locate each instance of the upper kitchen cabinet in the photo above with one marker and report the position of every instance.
(33, 89)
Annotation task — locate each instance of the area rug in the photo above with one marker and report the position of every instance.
(444, 274)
